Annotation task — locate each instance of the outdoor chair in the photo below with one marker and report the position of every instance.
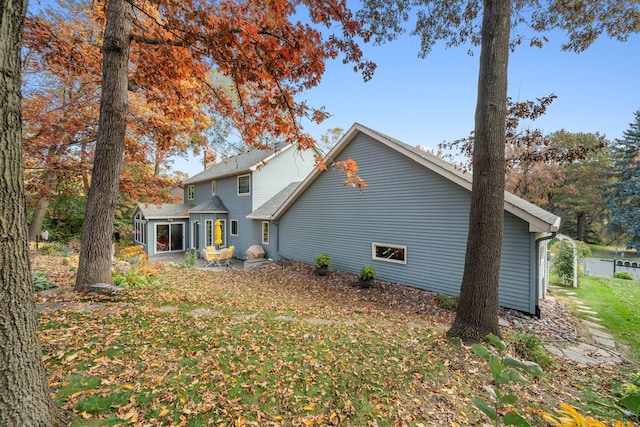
(225, 257)
(211, 255)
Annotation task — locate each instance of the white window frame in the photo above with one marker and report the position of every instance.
(171, 225)
(191, 192)
(265, 228)
(213, 188)
(139, 235)
(210, 232)
(238, 185)
(374, 256)
(223, 234)
(231, 222)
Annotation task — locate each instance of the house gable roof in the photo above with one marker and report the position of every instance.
(213, 205)
(539, 220)
(245, 162)
(163, 210)
(269, 207)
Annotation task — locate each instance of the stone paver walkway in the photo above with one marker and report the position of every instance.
(600, 346)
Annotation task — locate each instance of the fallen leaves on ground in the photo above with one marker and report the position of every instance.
(273, 346)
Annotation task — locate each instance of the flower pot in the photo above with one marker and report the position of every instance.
(365, 283)
(322, 271)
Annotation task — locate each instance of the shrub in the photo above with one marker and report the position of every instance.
(623, 275)
(367, 273)
(190, 258)
(41, 281)
(133, 279)
(504, 370)
(53, 248)
(323, 260)
(447, 302)
(563, 262)
(530, 347)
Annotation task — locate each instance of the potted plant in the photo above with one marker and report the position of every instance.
(322, 264)
(366, 276)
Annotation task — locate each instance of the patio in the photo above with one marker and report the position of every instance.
(177, 258)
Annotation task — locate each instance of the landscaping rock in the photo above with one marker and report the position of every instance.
(254, 252)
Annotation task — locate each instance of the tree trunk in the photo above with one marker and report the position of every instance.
(95, 251)
(38, 218)
(477, 313)
(25, 398)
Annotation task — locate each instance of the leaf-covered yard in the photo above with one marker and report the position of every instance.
(275, 346)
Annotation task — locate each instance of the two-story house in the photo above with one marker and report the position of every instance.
(228, 191)
(411, 222)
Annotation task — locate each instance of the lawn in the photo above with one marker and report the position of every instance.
(613, 252)
(617, 302)
(272, 347)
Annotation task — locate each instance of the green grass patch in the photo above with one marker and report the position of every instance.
(99, 404)
(617, 302)
(613, 252)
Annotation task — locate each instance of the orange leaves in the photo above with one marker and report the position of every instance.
(568, 416)
(350, 168)
(347, 167)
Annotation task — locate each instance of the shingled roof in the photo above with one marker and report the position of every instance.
(241, 163)
(163, 210)
(266, 210)
(213, 205)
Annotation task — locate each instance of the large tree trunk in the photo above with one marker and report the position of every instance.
(477, 313)
(95, 252)
(25, 399)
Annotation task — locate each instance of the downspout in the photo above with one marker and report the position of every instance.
(277, 224)
(537, 243)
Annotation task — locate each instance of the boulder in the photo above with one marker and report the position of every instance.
(254, 252)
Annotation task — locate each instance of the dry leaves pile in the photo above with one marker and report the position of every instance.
(274, 346)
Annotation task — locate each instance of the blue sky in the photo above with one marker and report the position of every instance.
(428, 101)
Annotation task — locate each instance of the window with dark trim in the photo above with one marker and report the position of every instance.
(213, 188)
(390, 253)
(234, 227)
(244, 184)
(190, 192)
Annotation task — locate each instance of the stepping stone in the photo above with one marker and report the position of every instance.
(412, 325)
(581, 310)
(201, 312)
(284, 318)
(168, 309)
(605, 342)
(246, 317)
(594, 318)
(106, 288)
(570, 293)
(592, 324)
(600, 333)
(554, 350)
(319, 321)
(583, 307)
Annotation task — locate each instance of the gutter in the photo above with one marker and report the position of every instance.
(537, 243)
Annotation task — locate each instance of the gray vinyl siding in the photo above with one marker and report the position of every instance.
(405, 204)
(290, 166)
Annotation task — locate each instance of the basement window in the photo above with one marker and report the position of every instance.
(389, 253)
